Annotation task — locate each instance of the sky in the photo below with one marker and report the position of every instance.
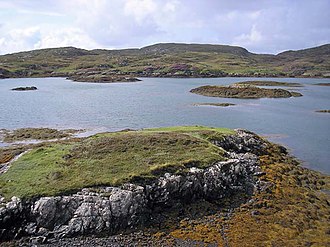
(261, 26)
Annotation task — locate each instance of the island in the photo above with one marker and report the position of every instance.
(215, 104)
(243, 92)
(326, 84)
(24, 88)
(269, 83)
(101, 78)
(165, 186)
(323, 111)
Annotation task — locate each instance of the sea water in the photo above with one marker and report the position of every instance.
(157, 102)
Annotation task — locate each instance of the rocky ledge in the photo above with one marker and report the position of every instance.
(243, 92)
(111, 209)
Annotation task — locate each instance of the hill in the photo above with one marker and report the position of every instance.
(166, 60)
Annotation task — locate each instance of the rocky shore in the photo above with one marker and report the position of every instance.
(217, 205)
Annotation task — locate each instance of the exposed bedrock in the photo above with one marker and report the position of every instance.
(109, 209)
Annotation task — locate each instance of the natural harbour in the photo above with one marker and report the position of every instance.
(81, 162)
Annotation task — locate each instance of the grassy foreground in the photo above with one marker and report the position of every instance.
(110, 159)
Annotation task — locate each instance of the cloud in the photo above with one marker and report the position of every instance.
(260, 26)
(140, 9)
(19, 39)
(254, 37)
(65, 37)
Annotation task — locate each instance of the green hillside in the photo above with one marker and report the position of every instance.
(167, 60)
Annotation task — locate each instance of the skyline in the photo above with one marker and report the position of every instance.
(259, 26)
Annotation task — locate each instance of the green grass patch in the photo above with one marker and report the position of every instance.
(111, 159)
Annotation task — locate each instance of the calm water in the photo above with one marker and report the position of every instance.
(156, 102)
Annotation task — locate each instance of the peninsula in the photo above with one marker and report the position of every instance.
(164, 186)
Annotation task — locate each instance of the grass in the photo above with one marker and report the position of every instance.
(36, 134)
(110, 159)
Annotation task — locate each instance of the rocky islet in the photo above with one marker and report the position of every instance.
(32, 88)
(243, 92)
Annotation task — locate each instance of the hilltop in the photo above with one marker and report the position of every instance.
(166, 60)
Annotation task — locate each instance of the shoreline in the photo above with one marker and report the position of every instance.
(176, 77)
(277, 172)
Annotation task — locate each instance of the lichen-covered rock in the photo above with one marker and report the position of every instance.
(242, 142)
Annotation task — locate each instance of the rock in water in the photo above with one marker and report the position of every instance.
(24, 88)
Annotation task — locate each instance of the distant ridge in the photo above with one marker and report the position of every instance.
(168, 60)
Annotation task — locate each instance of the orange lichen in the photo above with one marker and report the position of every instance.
(293, 211)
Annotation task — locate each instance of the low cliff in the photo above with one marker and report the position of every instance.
(252, 184)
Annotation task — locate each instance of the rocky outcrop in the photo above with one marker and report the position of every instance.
(97, 75)
(323, 111)
(109, 209)
(24, 88)
(5, 73)
(243, 92)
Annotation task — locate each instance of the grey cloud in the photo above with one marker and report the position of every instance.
(260, 26)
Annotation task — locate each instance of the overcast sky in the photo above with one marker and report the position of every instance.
(261, 26)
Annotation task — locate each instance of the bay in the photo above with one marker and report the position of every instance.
(157, 102)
